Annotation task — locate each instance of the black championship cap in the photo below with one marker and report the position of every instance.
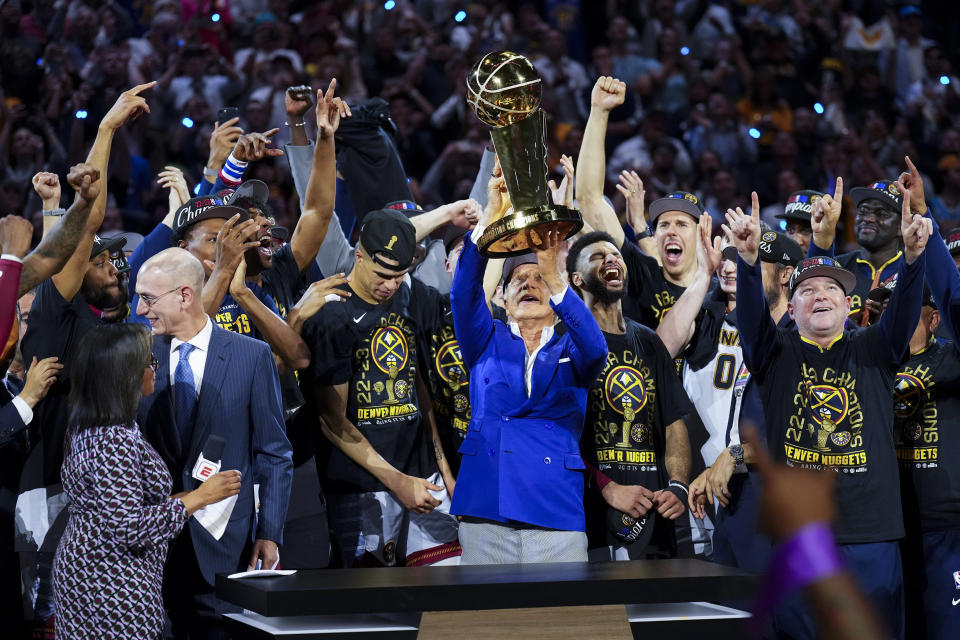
(883, 291)
(387, 232)
(952, 240)
(775, 247)
(101, 244)
(677, 201)
(822, 266)
(279, 232)
(256, 190)
(799, 205)
(203, 208)
(883, 190)
(630, 530)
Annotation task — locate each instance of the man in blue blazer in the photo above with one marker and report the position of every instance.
(211, 382)
(520, 488)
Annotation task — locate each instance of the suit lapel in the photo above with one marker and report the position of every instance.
(214, 371)
(544, 369)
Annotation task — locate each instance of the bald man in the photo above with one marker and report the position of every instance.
(211, 382)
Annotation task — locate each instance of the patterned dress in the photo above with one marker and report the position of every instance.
(109, 564)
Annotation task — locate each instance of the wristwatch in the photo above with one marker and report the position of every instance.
(55, 212)
(736, 452)
(646, 233)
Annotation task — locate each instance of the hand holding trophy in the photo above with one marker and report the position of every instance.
(503, 90)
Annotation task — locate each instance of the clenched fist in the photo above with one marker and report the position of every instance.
(84, 178)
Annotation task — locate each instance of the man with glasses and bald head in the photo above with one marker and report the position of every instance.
(211, 382)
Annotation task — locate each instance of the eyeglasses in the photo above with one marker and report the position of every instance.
(154, 363)
(152, 300)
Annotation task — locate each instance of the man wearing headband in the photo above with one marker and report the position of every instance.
(366, 355)
(825, 394)
(520, 487)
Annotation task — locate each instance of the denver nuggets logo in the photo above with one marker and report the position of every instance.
(449, 363)
(460, 403)
(624, 390)
(892, 188)
(400, 389)
(769, 236)
(639, 433)
(907, 395)
(690, 198)
(840, 438)
(627, 520)
(913, 430)
(827, 404)
(813, 199)
(389, 349)
(389, 552)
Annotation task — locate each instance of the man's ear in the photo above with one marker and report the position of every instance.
(934, 320)
(785, 275)
(790, 310)
(577, 279)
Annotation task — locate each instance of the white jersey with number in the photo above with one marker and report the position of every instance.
(716, 390)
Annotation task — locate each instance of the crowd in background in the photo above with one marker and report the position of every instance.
(723, 95)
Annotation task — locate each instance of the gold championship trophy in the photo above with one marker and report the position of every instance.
(503, 90)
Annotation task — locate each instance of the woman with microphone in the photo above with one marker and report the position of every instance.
(109, 563)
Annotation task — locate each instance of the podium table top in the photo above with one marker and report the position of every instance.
(454, 588)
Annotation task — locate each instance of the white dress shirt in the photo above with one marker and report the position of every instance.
(197, 357)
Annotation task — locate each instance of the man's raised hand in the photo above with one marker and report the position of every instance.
(744, 230)
(15, 235)
(825, 213)
(255, 146)
(913, 181)
(128, 107)
(608, 93)
(631, 188)
(297, 100)
(222, 141)
(915, 229)
(84, 178)
(563, 194)
(172, 178)
(329, 111)
(709, 254)
(47, 186)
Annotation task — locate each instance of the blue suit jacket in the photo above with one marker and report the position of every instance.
(521, 456)
(239, 401)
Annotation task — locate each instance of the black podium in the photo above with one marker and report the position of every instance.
(396, 596)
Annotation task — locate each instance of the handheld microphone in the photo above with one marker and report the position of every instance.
(208, 462)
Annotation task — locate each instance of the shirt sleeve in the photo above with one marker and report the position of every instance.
(10, 269)
(331, 343)
(118, 483)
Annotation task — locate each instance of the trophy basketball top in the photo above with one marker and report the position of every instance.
(503, 88)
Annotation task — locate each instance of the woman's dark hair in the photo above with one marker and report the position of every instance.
(106, 375)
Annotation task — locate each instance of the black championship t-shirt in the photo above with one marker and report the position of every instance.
(447, 377)
(926, 410)
(829, 408)
(374, 350)
(56, 329)
(649, 293)
(628, 409)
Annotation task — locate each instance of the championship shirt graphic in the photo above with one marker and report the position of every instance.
(454, 381)
(385, 390)
(826, 429)
(915, 418)
(622, 426)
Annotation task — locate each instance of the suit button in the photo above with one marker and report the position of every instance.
(546, 460)
(486, 381)
(506, 418)
(492, 452)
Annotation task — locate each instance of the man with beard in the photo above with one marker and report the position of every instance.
(634, 431)
(61, 313)
(653, 289)
(877, 226)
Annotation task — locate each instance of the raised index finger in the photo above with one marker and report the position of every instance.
(330, 89)
(838, 190)
(754, 206)
(141, 87)
(910, 165)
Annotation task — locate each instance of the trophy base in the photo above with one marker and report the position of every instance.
(508, 236)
